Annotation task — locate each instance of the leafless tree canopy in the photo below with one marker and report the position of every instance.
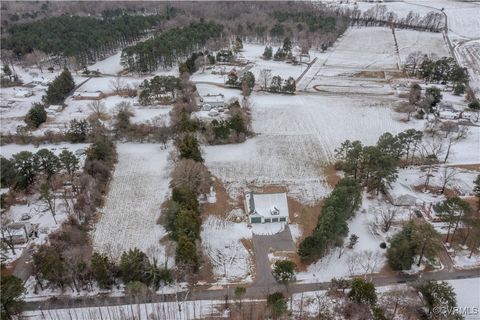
(192, 175)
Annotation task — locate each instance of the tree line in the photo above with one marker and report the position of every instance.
(165, 49)
(85, 38)
(331, 226)
(379, 15)
(376, 166)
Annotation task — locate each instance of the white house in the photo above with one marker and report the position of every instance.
(449, 115)
(214, 100)
(19, 232)
(266, 208)
(88, 95)
(54, 108)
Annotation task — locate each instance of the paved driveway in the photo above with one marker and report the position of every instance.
(264, 244)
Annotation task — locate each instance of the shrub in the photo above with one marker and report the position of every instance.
(474, 105)
(36, 115)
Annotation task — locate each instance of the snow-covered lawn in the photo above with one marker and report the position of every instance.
(221, 241)
(462, 260)
(460, 180)
(366, 257)
(139, 186)
(468, 296)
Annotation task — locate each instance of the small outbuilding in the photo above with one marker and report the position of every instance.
(214, 100)
(266, 208)
(88, 95)
(54, 108)
(401, 195)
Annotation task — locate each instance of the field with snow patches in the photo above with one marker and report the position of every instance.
(139, 186)
(296, 136)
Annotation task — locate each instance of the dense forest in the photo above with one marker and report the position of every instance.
(165, 49)
(85, 38)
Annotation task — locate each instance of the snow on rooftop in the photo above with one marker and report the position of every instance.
(270, 204)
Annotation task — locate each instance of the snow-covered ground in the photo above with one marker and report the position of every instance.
(185, 310)
(139, 186)
(221, 241)
(366, 257)
(296, 135)
(468, 296)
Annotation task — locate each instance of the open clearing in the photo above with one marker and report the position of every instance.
(139, 186)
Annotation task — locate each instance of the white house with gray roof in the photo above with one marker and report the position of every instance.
(267, 207)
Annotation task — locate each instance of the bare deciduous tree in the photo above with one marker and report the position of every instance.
(117, 85)
(387, 217)
(413, 60)
(192, 175)
(6, 228)
(265, 77)
(447, 174)
(406, 107)
(98, 109)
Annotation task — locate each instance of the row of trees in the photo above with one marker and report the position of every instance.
(246, 82)
(276, 83)
(165, 49)
(189, 179)
(433, 69)
(159, 88)
(379, 15)
(376, 166)
(331, 227)
(66, 259)
(24, 167)
(86, 38)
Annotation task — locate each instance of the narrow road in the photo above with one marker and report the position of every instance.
(253, 292)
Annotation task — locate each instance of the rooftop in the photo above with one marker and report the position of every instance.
(268, 204)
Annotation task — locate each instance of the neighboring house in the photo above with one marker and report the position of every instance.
(449, 115)
(401, 195)
(213, 101)
(18, 232)
(88, 95)
(22, 93)
(54, 108)
(266, 208)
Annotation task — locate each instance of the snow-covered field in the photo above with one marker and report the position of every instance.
(139, 186)
(184, 310)
(425, 42)
(296, 135)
